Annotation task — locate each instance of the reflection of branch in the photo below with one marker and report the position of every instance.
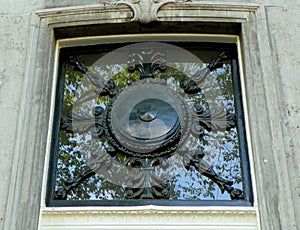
(191, 85)
(82, 68)
(97, 163)
(103, 88)
(221, 142)
(62, 193)
(224, 185)
(217, 62)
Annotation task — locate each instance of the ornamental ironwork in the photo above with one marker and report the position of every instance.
(161, 118)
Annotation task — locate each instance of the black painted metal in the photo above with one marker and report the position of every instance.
(50, 193)
(241, 129)
(153, 27)
(142, 202)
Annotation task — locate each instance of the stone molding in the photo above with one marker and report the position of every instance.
(137, 10)
(130, 218)
(146, 211)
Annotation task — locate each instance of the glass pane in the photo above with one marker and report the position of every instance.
(149, 121)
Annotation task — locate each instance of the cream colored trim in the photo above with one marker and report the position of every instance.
(247, 119)
(149, 217)
(150, 209)
(50, 125)
(162, 37)
(248, 130)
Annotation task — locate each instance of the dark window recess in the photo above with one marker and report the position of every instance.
(149, 123)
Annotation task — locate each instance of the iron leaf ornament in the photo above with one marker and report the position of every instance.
(84, 122)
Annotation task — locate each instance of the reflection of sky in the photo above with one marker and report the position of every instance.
(194, 186)
(186, 184)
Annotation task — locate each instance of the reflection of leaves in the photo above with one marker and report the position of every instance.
(75, 180)
(96, 79)
(70, 185)
(190, 185)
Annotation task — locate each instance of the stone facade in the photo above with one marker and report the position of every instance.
(270, 50)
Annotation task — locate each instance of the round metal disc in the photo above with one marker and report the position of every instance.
(152, 118)
(145, 118)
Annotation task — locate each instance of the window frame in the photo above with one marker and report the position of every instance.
(238, 83)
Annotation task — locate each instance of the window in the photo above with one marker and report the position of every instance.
(146, 122)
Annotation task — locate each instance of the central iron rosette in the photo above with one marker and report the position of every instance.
(146, 119)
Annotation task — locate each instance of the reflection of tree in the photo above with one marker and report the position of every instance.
(220, 148)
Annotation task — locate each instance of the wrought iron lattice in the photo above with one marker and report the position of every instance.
(150, 119)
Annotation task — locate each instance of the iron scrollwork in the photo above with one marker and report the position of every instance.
(147, 123)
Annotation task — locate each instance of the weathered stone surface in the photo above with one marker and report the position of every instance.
(13, 37)
(273, 74)
(284, 32)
